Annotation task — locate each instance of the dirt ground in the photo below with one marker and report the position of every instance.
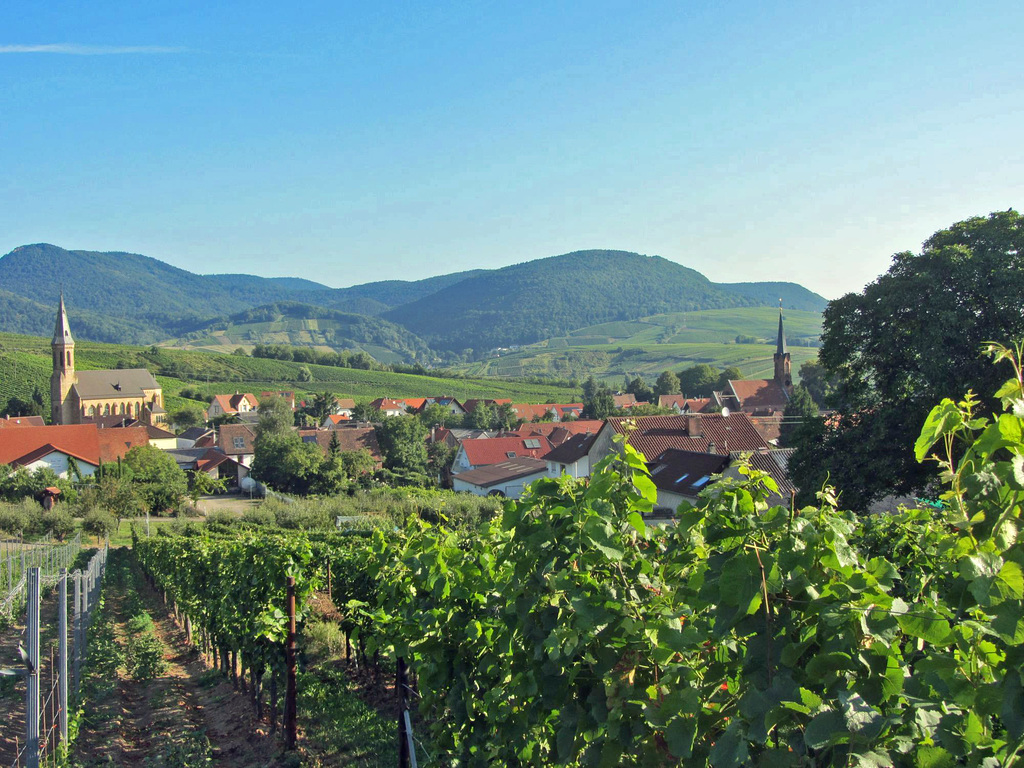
(233, 503)
(168, 720)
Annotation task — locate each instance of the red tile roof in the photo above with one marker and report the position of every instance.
(115, 443)
(494, 450)
(528, 412)
(559, 432)
(683, 403)
(226, 435)
(624, 401)
(759, 394)
(22, 421)
(653, 435)
(230, 403)
(349, 439)
(336, 418)
(472, 404)
(387, 404)
(25, 444)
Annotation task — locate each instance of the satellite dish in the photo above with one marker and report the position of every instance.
(725, 412)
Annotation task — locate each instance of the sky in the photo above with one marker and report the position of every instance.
(348, 143)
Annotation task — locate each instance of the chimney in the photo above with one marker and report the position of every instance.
(693, 425)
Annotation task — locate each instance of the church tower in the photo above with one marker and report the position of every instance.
(783, 365)
(63, 376)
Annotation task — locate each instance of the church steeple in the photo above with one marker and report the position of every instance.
(62, 330)
(63, 376)
(783, 364)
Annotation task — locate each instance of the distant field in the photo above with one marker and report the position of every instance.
(25, 364)
(649, 346)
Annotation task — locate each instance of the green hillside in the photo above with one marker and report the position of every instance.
(25, 364)
(667, 341)
(526, 303)
(297, 324)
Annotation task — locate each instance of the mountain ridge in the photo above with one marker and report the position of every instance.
(120, 296)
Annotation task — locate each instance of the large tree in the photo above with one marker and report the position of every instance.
(909, 339)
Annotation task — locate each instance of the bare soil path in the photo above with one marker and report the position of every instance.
(186, 716)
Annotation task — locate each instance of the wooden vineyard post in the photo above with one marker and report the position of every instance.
(290, 734)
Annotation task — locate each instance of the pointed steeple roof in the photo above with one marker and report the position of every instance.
(780, 344)
(62, 329)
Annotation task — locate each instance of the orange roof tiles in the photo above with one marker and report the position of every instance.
(25, 444)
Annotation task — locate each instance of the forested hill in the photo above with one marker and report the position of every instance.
(129, 298)
(528, 302)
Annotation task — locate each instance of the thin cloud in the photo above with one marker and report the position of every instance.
(75, 49)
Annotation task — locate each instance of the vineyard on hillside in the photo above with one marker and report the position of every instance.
(25, 364)
(569, 632)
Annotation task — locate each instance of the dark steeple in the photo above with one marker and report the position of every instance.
(783, 363)
(780, 344)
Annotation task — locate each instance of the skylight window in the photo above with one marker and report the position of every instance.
(532, 443)
(510, 454)
(682, 478)
(702, 482)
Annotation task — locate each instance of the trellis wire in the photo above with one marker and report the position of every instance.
(46, 717)
(16, 557)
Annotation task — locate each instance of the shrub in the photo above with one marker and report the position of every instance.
(99, 523)
(20, 519)
(58, 523)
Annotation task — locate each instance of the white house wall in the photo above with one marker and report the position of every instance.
(58, 462)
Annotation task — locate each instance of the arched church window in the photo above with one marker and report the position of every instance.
(92, 410)
(69, 359)
(106, 409)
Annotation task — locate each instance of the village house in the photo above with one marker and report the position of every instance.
(348, 438)
(21, 421)
(697, 432)
(473, 454)
(389, 407)
(237, 441)
(526, 412)
(77, 397)
(681, 475)
(684, 404)
(64, 448)
(572, 457)
(232, 405)
(507, 479)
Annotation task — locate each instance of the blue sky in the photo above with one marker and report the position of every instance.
(349, 143)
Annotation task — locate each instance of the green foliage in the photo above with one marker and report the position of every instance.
(667, 384)
(402, 442)
(159, 481)
(698, 380)
(800, 407)
(275, 417)
(910, 339)
(817, 382)
(144, 652)
(22, 518)
(99, 523)
(58, 522)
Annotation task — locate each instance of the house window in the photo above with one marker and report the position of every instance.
(239, 443)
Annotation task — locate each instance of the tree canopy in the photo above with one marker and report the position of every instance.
(909, 339)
